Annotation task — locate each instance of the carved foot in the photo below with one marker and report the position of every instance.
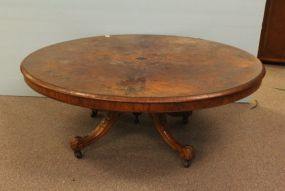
(188, 155)
(78, 143)
(94, 113)
(186, 152)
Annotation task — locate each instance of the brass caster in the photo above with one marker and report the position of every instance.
(187, 163)
(78, 154)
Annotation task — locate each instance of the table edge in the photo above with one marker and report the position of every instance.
(143, 104)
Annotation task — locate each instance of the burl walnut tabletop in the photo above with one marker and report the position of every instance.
(154, 74)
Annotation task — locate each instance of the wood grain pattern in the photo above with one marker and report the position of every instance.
(143, 73)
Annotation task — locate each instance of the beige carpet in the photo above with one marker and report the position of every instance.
(238, 148)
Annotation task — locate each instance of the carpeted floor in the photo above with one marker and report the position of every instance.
(238, 148)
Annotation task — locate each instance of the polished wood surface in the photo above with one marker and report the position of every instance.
(143, 73)
(272, 40)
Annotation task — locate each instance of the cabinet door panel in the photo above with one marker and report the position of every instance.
(272, 41)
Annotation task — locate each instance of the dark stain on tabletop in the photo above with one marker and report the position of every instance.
(140, 58)
(132, 85)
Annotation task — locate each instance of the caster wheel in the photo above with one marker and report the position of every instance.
(187, 163)
(78, 154)
(94, 113)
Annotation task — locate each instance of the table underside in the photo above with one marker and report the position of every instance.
(186, 152)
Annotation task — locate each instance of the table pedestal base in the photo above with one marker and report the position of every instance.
(186, 152)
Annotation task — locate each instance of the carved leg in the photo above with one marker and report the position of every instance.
(136, 114)
(185, 116)
(78, 143)
(186, 152)
(94, 113)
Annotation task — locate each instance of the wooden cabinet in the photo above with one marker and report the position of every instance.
(272, 41)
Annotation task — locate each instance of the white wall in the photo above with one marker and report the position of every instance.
(26, 25)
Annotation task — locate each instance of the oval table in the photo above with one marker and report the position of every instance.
(155, 74)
